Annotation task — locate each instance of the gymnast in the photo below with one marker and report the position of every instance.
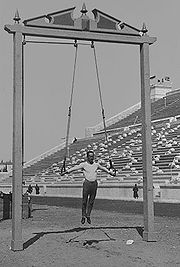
(90, 183)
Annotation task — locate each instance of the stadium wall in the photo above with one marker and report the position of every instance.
(163, 193)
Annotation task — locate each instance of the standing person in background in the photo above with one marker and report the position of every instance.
(135, 191)
(90, 183)
(30, 189)
(37, 189)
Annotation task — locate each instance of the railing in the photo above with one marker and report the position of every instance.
(90, 130)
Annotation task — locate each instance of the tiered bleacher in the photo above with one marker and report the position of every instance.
(125, 145)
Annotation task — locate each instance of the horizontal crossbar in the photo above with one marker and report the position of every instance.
(56, 43)
(79, 35)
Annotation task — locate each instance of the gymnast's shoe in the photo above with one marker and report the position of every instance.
(83, 220)
(88, 220)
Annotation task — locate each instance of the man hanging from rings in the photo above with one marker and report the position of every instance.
(90, 184)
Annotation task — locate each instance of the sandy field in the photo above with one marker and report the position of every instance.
(55, 237)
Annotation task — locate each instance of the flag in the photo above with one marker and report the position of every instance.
(167, 78)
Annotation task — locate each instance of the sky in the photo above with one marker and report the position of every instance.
(48, 70)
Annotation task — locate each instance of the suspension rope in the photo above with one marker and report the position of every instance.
(102, 107)
(70, 108)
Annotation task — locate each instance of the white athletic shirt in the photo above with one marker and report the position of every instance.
(90, 170)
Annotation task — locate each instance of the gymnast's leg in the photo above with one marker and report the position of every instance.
(93, 191)
(84, 200)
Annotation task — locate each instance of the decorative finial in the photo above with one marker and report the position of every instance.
(16, 17)
(144, 29)
(84, 10)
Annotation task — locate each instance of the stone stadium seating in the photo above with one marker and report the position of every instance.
(125, 147)
(126, 153)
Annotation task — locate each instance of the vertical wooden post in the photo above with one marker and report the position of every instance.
(16, 242)
(22, 105)
(148, 205)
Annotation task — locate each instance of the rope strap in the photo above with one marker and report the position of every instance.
(63, 169)
(102, 108)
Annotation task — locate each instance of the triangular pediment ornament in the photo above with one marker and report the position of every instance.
(106, 23)
(63, 19)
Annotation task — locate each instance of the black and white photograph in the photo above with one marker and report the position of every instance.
(90, 133)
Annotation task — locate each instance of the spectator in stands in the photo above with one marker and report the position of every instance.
(37, 189)
(74, 140)
(30, 189)
(5, 168)
(90, 183)
(177, 158)
(135, 191)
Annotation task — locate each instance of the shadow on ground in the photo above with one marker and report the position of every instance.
(81, 230)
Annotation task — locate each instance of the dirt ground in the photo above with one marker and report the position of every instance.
(55, 237)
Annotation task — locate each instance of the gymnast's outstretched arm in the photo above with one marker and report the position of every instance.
(75, 168)
(106, 170)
